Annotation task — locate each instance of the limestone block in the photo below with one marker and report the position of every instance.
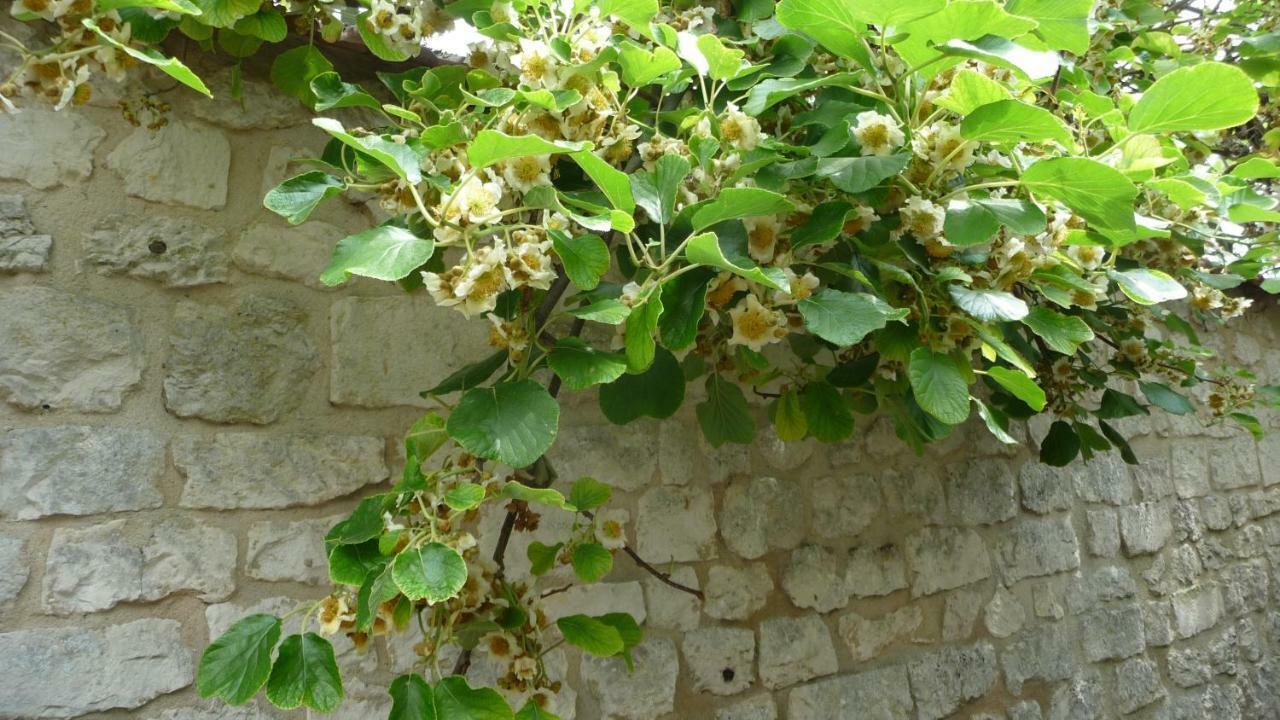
(875, 571)
(63, 351)
(759, 514)
(45, 148)
(676, 524)
(183, 163)
(289, 551)
(79, 470)
(1036, 547)
(884, 694)
(981, 492)
(721, 660)
(14, 567)
(868, 637)
(814, 579)
(645, 693)
(299, 253)
(945, 558)
(737, 593)
(795, 649)
(945, 679)
(844, 505)
(174, 251)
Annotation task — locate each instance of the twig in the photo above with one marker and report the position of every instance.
(644, 565)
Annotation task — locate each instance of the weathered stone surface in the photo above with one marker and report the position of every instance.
(184, 163)
(1234, 463)
(1246, 586)
(1026, 710)
(1157, 623)
(1045, 489)
(756, 707)
(299, 253)
(1196, 610)
(598, 599)
(1036, 547)
(721, 660)
(669, 608)
(217, 709)
(943, 680)
(64, 155)
(783, 456)
(1189, 666)
(63, 672)
(99, 566)
(63, 351)
(1114, 633)
(623, 457)
(874, 571)
(981, 492)
(814, 579)
(280, 166)
(945, 558)
(918, 495)
(252, 470)
(759, 514)
(14, 567)
(1145, 527)
(844, 505)
(261, 106)
(1004, 614)
(1040, 653)
(1100, 585)
(684, 455)
(21, 250)
(1104, 532)
(868, 637)
(960, 613)
(676, 524)
(420, 344)
(735, 593)
(1137, 684)
(1080, 699)
(1190, 464)
(793, 650)
(1104, 479)
(645, 693)
(883, 694)
(78, 470)
(289, 551)
(249, 365)
(175, 251)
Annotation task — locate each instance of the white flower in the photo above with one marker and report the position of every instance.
(525, 668)
(755, 325)
(630, 294)
(441, 286)
(799, 287)
(536, 63)
(951, 150)
(527, 172)
(50, 10)
(922, 218)
(1088, 256)
(476, 202)
(529, 262)
(877, 134)
(333, 612)
(762, 237)
(482, 281)
(739, 129)
(501, 645)
(611, 529)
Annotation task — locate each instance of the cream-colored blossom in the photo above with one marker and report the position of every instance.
(922, 218)
(610, 528)
(738, 129)
(762, 237)
(799, 287)
(527, 172)
(525, 668)
(755, 325)
(529, 262)
(877, 134)
(483, 280)
(538, 66)
(950, 150)
(1089, 257)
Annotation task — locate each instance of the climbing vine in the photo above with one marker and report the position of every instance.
(924, 209)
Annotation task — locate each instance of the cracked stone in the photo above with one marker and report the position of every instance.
(184, 163)
(945, 679)
(736, 593)
(883, 694)
(814, 579)
(1137, 684)
(868, 637)
(63, 156)
(175, 251)
(1145, 528)
(1114, 633)
(945, 558)
(795, 649)
(1037, 547)
(981, 492)
(645, 693)
(1040, 653)
(1005, 614)
(721, 660)
(875, 571)
(758, 515)
(14, 567)
(21, 249)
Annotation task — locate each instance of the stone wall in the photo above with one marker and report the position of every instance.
(184, 410)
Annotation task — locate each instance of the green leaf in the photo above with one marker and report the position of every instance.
(734, 203)
(541, 496)
(996, 422)
(789, 421)
(825, 224)
(464, 496)
(1208, 96)
(351, 564)
(1063, 24)
(612, 182)
(705, 249)
(591, 634)
(968, 223)
(469, 376)
(1020, 216)
(860, 174)
(434, 572)
(655, 191)
(1148, 287)
(1256, 168)
(591, 562)
(589, 493)
(178, 6)
(363, 524)
(639, 345)
(988, 305)
(580, 366)
(1062, 333)
(236, 665)
(225, 13)
(1100, 194)
(542, 557)
(724, 415)
(456, 699)
(385, 252)
(636, 13)
(332, 92)
(1060, 446)
(772, 91)
(684, 301)
(293, 70)
(1013, 121)
(969, 90)
(585, 258)
(305, 673)
(376, 42)
(1164, 397)
(167, 65)
(826, 413)
(490, 147)
(844, 318)
(1031, 64)
(1115, 405)
(967, 20)
(608, 311)
(399, 158)
(641, 67)
(412, 699)
(1018, 385)
(511, 422)
(267, 25)
(534, 711)
(722, 63)
(296, 198)
(656, 392)
(939, 385)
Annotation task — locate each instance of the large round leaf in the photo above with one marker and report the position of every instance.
(236, 665)
(1209, 96)
(513, 423)
(434, 571)
(305, 673)
(939, 385)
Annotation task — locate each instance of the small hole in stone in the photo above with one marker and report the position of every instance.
(727, 674)
(157, 247)
(47, 406)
